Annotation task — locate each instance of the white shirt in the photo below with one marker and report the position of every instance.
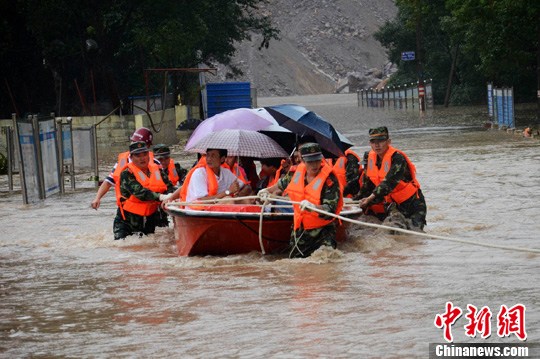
(198, 184)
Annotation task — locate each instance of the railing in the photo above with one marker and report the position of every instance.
(397, 97)
(501, 106)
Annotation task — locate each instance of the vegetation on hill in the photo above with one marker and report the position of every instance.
(58, 54)
(463, 44)
(80, 57)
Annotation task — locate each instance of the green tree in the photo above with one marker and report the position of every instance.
(465, 43)
(417, 28)
(106, 45)
(500, 39)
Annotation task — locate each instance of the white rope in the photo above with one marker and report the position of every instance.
(211, 202)
(365, 224)
(208, 202)
(421, 234)
(296, 243)
(260, 226)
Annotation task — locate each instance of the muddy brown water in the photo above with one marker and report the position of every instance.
(68, 290)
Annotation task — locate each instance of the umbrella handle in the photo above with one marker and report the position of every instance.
(292, 153)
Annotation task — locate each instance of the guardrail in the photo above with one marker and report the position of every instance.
(397, 97)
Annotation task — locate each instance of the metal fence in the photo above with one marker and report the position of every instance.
(38, 150)
(397, 97)
(46, 152)
(501, 106)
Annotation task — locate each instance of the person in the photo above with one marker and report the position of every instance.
(248, 164)
(269, 172)
(348, 170)
(173, 170)
(231, 163)
(296, 157)
(311, 230)
(390, 177)
(139, 191)
(208, 180)
(141, 134)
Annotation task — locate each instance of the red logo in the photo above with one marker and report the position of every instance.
(448, 319)
(509, 321)
(512, 321)
(479, 321)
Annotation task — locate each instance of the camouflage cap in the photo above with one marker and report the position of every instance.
(378, 133)
(311, 152)
(162, 151)
(137, 147)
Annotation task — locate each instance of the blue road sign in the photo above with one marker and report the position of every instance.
(407, 55)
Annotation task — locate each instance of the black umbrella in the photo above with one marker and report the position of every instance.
(304, 123)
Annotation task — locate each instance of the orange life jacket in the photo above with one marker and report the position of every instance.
(298, 191)
(292, 170)
(277, 175)
(211, 181)
(154, 183)
(172, 173)
(236, 171)
(183, 189)
(121, 164)
(403, 190)
(340, 169)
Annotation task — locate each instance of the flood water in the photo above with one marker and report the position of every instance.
(67, 289)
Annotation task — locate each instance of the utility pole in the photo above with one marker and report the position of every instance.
(451, 75)
(538, 75)
(420, 57)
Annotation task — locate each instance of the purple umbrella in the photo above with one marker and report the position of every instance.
(240, 119)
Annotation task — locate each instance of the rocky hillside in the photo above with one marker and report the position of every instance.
(324, 43)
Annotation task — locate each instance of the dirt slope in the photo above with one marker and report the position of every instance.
(321, 42)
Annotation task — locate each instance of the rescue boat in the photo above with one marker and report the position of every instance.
(221, 230)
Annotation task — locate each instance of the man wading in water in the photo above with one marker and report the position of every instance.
(314, 185)
(390, 180)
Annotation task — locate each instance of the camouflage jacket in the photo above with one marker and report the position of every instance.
(352, 175)
(182, 172)
(130, 186)
(330, 193)
(399, 170)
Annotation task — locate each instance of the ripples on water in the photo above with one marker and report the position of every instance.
(67, 289)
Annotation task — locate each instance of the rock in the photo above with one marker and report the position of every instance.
(321, 44)
(358, 81)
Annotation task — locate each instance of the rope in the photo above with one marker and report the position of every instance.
(421, 234)
(365, 224)
(208, 202)
(296, 243)
(156, 130)
(269, 239)
(406, 231)
(260, 226)
(211, 202)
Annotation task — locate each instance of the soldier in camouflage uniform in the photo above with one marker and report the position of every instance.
(400, 177)
(163, 154)
(127, 223)
(303, 241)
(352, 175)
